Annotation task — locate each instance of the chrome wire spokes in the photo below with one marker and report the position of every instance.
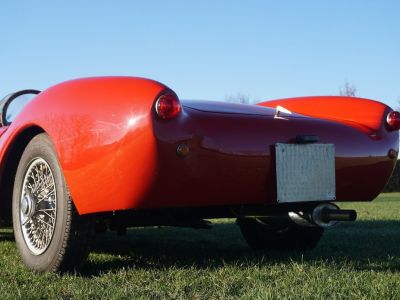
(38, 209)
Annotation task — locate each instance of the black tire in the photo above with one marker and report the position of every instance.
(261, 235)
(66, 244)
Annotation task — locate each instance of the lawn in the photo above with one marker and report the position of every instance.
(358, 260)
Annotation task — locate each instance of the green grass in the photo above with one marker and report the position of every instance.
(359, 260)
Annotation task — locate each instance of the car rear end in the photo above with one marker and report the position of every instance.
(215, 154)
(279, 171)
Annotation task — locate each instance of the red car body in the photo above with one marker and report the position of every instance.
(116, 154)
(210, 159)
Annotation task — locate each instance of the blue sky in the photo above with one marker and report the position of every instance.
(207, 49)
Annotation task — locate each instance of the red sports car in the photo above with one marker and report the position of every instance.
(117, 152)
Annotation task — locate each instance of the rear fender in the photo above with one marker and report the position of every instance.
(363, 114)
(368, 117)
(102, 132)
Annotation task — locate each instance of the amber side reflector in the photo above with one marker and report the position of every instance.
(168, 106)
(393, 120)
(182, 150)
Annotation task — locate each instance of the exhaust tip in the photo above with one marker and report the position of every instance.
(329, 214)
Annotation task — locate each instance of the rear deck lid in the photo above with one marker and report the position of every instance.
(229, 108)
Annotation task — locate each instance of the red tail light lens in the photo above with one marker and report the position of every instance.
(393, 120)
(168, 106)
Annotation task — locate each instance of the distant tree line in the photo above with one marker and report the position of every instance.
(238, 98)
(348, 90)
(394, 182)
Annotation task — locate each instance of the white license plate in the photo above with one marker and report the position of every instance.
(305, 172)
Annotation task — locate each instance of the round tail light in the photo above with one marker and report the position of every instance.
(168, 106)
(393, 120)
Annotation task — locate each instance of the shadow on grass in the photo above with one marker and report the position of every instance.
(371, 243)
(6, 236)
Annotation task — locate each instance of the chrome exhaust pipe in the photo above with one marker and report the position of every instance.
(324, 215)
(328, 214)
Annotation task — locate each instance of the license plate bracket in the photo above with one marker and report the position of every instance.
(305, 172)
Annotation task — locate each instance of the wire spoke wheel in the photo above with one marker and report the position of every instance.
(38, 210)
(49, 233)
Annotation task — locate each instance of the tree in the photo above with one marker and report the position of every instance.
(348, 90)
(393, 184)
(238, 98)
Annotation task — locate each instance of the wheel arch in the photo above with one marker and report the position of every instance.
(11, 161)
(102, 132)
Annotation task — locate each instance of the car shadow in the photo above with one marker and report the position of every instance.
(373, 245)
(6, 236)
